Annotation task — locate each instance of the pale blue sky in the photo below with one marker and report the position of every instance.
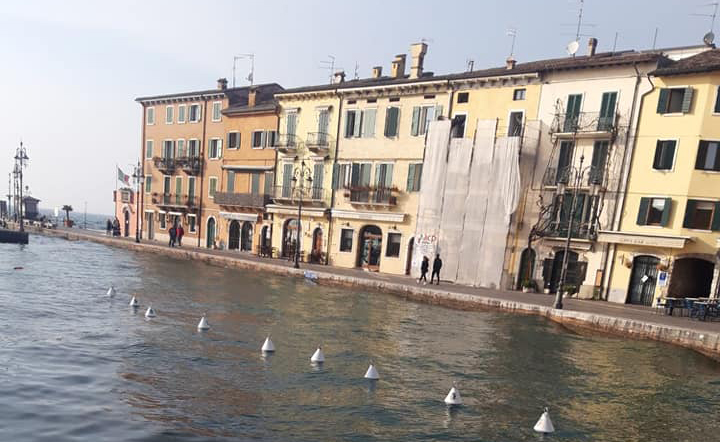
(71, 69)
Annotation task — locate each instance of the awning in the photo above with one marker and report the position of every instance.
(175, 213)
(252, 217)
(643, 239)
(369, 216)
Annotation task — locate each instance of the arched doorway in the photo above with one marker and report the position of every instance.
(210, 239)
(246, 237)
(290, 230)
(552, 269)
(127, 222)
(641, 290)
(234, 235)
(265, 241)
(691, 277)
(370, 242)
(527, 264)
(409, 257)
(317, 246)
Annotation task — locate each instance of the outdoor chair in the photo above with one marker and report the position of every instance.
(661, 305)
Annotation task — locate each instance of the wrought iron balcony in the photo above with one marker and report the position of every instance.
(367, 196)
(319, 142)
(554, 176)
(584, 123)
(175, 201)
(287, 195)
(596, 176)
(287, 143)
(165, 164)
(248, 200)
(191, 165)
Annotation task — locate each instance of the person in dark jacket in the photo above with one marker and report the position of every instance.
(437, 265)
(179, 233)
(172, 232)
(108, 227)
(424, 266)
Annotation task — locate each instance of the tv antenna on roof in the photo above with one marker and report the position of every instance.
(709, 38)
(251, 75)
(512, 32)
(329, 65)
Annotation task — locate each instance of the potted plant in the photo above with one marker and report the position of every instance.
(569, 290)
(528, 286)
(546, 288)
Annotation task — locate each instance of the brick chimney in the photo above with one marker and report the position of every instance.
(510, 63)
(417, 54)
(222, 84)
(398, 66)
(592, 46)
(377, 72)
(252, 94)
(339, 77)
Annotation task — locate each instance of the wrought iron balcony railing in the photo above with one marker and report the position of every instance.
(289, 195)
(190, 165)
(554, 176)
(584, 122)
(165, 164)
(372, 196)
(175, 201)
(250, 200)
(319, 142)
(287, 143)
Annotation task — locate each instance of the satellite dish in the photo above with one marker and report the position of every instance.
(572, 47)
(709, 38)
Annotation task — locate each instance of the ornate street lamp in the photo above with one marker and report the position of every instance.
(138, 177)
(300, 175)
(20, 159)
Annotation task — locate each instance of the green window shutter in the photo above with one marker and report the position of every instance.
(668, 154)
(663, 101)
(269, 182)
(391, 121)
(689, 213)
(701, 155)
(717, 100)
(191, 187)
(349, 123)
(410, 177)
(336, 177)
(666, 212)
(358, 124)
(368, 129)
(642, 212)
(687, 100)
(255, 184)
(438, 111)
(231, 181)
(716, 217)
(178, 185)
(388, 176)
(415, 121)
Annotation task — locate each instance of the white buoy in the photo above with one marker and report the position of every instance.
(544, 424)
(372, 373)
(453, 397)
(134, 302)
(268, 346)
(318, 356)
(111, 291)
(203, 324)
(150, 312)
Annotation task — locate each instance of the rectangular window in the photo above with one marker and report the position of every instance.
(148, 184)
(166, 185)
(215, 149)
(341, 176)
(191, 223)
(606, 120)
(393, 246)
(212, 186)
(368, 123)
(597, 165)
(515, 125)
(564, 160)
(457, 129)
(163, 221)
(191, 187)
(255, 183)
(717, 101)
(353, 120)
(287, 180)
(194, 116)
(414, 176)
(664, 155)
(217, 106)
(702, 215)
(231, 181)
(323, 121)
(178, 190)
(271, 138)
(169, 111)
(233, 140)
(291, 124)
(181, 113)
(193, 148)
(422, 116)
(150, 116)
(675, 100)
(654, 211)
(168, 149)
(269, 182)
(148, 149)
(392, 121)
(346, 240)
(181, 148)
(383, 176)
(258, 139)
(463, 97)
(708, 157)
(317, 183)
(519, 94)
(572, 113)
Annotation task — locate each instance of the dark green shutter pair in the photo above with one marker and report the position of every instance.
(703, 149)
(645, 207)
(664, 154)
(690, 214)
(664, 100)
(391, 121)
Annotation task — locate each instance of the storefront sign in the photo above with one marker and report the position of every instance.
(673, 242)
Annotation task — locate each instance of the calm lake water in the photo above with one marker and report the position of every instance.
(76, 365)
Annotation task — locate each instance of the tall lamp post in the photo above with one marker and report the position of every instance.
(20, 158)
(577, 173)
(300, 174)
(138, 177)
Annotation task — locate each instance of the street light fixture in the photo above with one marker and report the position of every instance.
(300, 174)
(138, 177)
(20, 159)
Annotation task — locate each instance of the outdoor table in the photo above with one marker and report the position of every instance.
(670, 304)
(700, 310)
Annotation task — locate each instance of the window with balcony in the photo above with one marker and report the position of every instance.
(317, 180)
(702, 215)
(216, 108)
(169, 111)
(148, 149)
(182, 109)
(606, 119)
(599, 159)
(150, 116)
(664, 155)
(341, 176)
(654, 211)
(255, 183)
(191, 187)
(287, 180)
(178, 190)
(233, 140)
(168, 149)
(708, 157)
(392, 121)
(215, 149)
(194, 148)
(212, 186)
(572, 113)
(675, 100)
(393, 245)
(463, 97)
(194, 113)
(422, 116)
(565, 156)
(181, 152)
(515, 123)
(414, 176)
(581, 214)
(346, 240)
(291, 124)
(231, 181)
(457, 128)
(519, 94)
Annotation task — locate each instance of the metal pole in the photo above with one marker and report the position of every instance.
(566, 250)
(22, 227)
(138, 178)
(299, 185)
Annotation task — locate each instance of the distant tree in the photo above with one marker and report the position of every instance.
(67, 208)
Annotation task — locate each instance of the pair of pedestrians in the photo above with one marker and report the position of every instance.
(176, 234)
(437, 265)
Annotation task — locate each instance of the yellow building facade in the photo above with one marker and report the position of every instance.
(667, 244)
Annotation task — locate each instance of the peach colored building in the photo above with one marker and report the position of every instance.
(126, 209)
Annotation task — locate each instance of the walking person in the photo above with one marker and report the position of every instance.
(424, 266)
(108, 227)
(437, 265)
(179, 233)
(116, 227)
(172, 232)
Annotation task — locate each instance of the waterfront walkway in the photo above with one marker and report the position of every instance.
(618, 319)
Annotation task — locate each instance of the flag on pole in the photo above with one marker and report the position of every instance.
(121, 176)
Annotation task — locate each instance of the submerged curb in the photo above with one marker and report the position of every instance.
(707, 343)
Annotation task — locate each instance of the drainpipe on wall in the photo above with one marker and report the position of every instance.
(142, 183)
(198, 221)
(610, 249)
(332, 178)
